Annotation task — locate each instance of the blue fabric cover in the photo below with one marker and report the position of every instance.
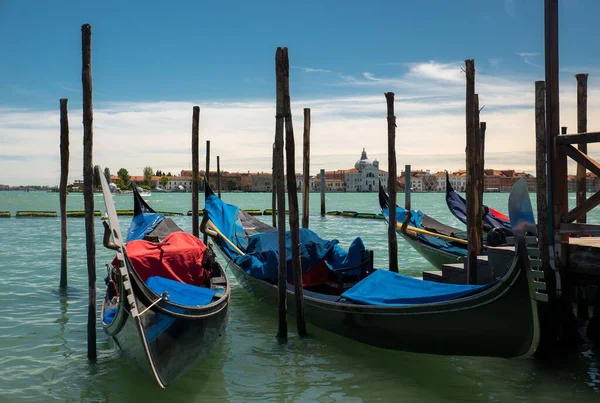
(261, 256)
(109, 315)
(458, 206)
(261, 259)
(384, 287)
(416, 221)
(142, 225)
(180, 293)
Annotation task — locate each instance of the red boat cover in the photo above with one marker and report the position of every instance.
(178, 257)
(499, 215)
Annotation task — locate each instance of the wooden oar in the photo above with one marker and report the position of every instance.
(214, 227)
(425, 232)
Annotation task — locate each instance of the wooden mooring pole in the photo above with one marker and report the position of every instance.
(478, 172)
(407, 185)
(581, 184)
(290, 150)
(219, 176)
(279, 167)
(322, 174)
(207, 176)
(474, 228)
(274, 188)
(64, 177)
(306, 168)
(392, 178)
(481, 158)
(540, 167)
(195, 170)
(88, 185)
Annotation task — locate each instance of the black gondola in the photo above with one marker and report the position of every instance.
(438, 243)
(381, 308)
(492, 219)
(166, 297)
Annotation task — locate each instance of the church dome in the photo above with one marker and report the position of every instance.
(364, 162)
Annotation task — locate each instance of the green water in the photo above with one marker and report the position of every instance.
(43, 332)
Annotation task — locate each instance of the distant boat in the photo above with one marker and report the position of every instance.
(144, 192)
(159, 190)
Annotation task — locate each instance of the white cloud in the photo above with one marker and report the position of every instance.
(430, 133)
(311, 70)
(528, 58)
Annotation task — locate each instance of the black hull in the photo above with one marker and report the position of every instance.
(499, 322)
(436, 257)
(167, 340)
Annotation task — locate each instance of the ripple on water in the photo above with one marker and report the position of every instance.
(43, 331)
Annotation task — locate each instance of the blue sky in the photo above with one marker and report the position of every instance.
(152, 61)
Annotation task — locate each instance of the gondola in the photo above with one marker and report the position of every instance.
(375, 306)
(438, 243)
(492, 219)
(166, 297)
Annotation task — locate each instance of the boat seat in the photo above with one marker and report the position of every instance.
(218, 281)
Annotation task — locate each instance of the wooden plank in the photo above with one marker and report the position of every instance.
(589, 163)
(589, 204)
(322, 177)
(392, 179)
(580, 229)
(579, 138)
(580, 187)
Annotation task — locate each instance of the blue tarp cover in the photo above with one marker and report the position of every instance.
(142, 225)
(180, 293)
(261, 259)
(416, 221)
(458, 206)
(261, 256)
(109, 315)
(384, 287)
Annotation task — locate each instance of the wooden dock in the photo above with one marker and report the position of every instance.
(584, 256)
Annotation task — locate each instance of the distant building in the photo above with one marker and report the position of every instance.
(364, 177)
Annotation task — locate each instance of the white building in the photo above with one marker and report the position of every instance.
(365, 176)
(176, 181)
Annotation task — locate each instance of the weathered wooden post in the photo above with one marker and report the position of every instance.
(540, 165)
(392, 177)
(290, 150)
(322, 178)
(279, 167)
(195, 170)
(306, 168)
(64, 176)
(482, 129)
(88, 185)
(478, 172)
(407, 187)
(581, 184)
(219, 176)
(274, 189)
(474, 229)
(207, 176)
